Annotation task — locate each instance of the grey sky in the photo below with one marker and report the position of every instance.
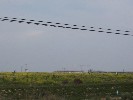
(49, 49)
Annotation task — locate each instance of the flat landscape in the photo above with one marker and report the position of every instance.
(65, 86)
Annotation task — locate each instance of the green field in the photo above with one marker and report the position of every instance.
(65, 86)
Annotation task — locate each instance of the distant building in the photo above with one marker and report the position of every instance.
(69, 71)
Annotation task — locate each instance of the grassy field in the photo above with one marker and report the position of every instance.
(65, 86)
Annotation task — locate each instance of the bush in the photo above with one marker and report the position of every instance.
(126, 96)
(65, 82)
(78, 81)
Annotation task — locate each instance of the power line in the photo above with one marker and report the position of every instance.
(67, 26)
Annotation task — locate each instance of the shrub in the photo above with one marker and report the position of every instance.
(126, 96)
(78, 81)
(65, 82)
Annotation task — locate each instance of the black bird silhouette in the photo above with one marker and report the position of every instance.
(45, 24)
(108, 29)
(83, 26)
(127, 31)
(100, 31)
(12, 20)
(83, 29)
(91, 27)
(57, 23)
(29, 22)
(20, 21)
(66, 24)
(49, 22)
(91, 30)
(52, 25)
(117, 33)
(108, 32)
(74, 25)
(68, 27)
(125, 34)
(40, 21)
(117, 30)
(32, 20)
(75, 28)
(23, 19)
(4, 19)
(60, 26)
(36, 23)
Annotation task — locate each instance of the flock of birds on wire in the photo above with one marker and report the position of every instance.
(67, 26)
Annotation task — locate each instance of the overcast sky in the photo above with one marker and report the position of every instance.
(41, 48)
